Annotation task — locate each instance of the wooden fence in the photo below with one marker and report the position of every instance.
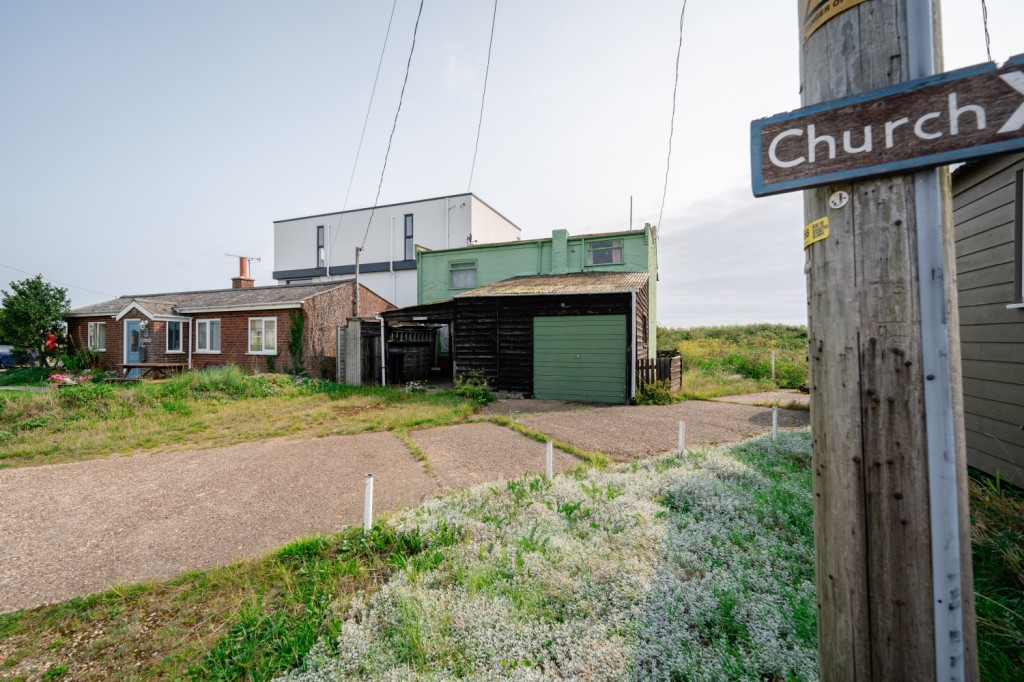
(661, 369)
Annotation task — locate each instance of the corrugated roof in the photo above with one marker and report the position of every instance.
(570, 283)
(168, 304)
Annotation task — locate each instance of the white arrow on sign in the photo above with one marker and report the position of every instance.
(1015, 80)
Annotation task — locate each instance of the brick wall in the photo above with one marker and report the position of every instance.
(324, 313)
(234, 340)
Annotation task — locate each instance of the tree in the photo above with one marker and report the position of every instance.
(33, 310)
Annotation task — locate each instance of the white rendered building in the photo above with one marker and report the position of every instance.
(322, 247)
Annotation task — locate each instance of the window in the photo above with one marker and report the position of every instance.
(174, 337)
(208, 336)
(321, 261)
(606, 252)
(263, 335)
(462, 275)
(410, 248)
(97, 336)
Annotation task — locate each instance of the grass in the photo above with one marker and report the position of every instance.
(203, 409)
(997, 537)
(251, 620)
(25, 376)
(736, 359)
(697, 567)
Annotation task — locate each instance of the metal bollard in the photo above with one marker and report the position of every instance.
(775, 422)
(550, 460)
(368, 504)
(682, 438)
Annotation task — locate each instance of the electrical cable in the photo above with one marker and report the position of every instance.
(672, 121)
(483, 96)
(63, 284)
(366, 120)
(988, 40)
(394, 125)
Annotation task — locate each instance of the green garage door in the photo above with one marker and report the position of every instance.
(580, 357)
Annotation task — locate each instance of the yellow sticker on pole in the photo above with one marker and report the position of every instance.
(816, 231)
(814, 13)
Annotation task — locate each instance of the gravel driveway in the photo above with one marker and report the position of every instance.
(74, 529)
(624, 433)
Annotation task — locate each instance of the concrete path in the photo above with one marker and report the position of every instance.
(74, 529)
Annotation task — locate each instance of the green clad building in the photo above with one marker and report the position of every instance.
(565, 318)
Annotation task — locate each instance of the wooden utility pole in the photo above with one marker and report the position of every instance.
(888, 447)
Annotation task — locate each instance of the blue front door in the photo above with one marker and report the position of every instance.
(132, 345)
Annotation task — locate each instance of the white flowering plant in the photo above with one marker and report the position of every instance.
(696, 567)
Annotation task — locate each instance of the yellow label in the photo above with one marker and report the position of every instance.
(814, 13)
(816, 231)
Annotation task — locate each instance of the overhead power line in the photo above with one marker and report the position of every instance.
(394, 125)
(672, 121)
(988, 39)
(63, 284)
(483, 97)
(366, 120)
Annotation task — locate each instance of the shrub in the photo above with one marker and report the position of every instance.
(474, 386)
(657, 392)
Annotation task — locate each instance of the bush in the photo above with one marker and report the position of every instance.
(655, 393)
(474, 386)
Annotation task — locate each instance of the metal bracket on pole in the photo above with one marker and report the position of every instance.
(938, 393)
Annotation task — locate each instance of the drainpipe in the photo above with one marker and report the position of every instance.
(632, 346)
(191, 340)
(391, 262)
(383, 364)
(447, 231)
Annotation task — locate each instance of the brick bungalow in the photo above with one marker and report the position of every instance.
(246, 325)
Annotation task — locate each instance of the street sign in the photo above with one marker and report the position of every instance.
(947, 118)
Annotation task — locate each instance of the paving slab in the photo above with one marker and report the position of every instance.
(472, 454)
(73, 529)
(625, 433)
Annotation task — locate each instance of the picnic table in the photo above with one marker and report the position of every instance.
(152, 370)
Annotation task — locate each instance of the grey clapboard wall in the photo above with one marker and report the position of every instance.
(987, 214)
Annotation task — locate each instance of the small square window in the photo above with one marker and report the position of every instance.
(462, 275)
(263, 335)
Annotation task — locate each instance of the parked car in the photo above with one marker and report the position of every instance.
(6, 355)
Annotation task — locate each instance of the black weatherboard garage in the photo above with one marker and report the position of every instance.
(575, 336)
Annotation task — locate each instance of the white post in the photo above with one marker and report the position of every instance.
(368, 504)
(682, 438)
(773, 365)
(550, 460)
(775, 422)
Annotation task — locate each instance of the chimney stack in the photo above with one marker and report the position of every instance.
(243, 281)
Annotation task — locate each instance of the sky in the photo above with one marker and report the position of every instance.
(143, 141)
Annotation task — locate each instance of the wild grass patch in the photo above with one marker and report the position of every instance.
(736, 359)
(204, 409)
(997, 534)
(251, 620)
